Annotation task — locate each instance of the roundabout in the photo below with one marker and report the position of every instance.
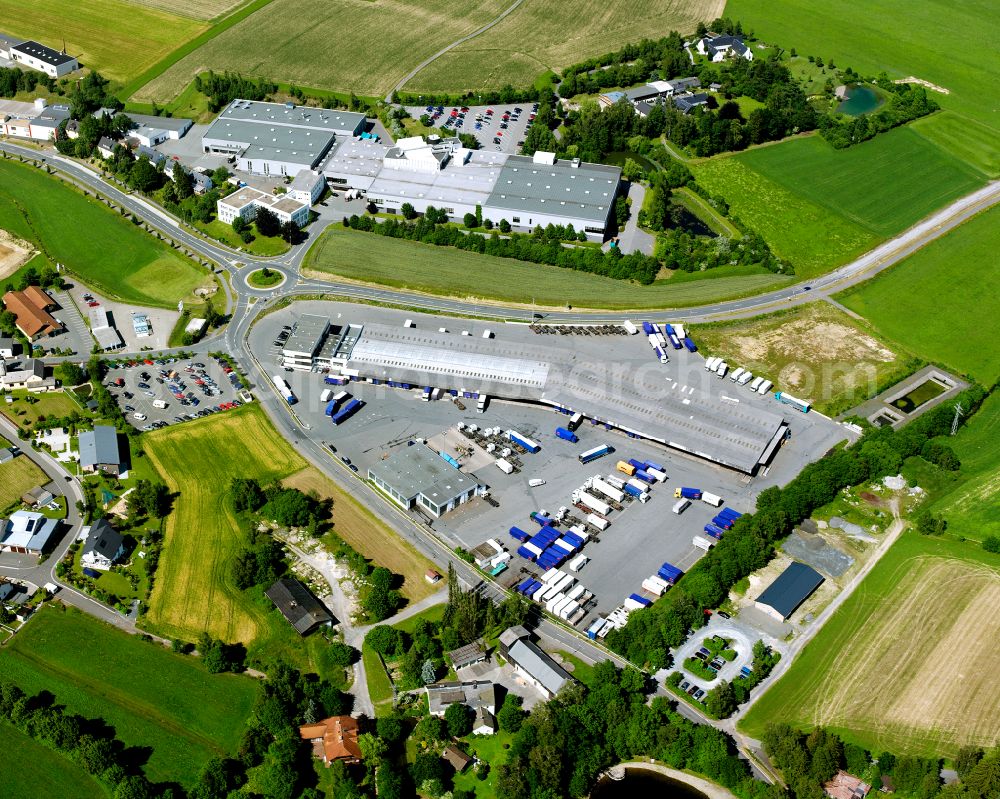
(264, 279)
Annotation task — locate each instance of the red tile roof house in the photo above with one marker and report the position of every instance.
(846, 786)
(335, 738)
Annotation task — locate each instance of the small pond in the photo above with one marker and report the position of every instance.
(684, 220)
(919, 395)
(644, 783)
(859, 100)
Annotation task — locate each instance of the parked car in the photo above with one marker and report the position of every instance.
(129, 409)
(140, 416)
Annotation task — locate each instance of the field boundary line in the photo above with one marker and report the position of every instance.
(186, 49)
(428, 61)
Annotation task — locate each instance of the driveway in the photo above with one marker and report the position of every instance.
(742, 642)
(631, 238)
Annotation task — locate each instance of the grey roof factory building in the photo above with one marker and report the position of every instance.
(793, 587)
(276, 138)
(416, 476)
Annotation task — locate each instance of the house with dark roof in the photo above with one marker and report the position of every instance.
(484, 723)
(37, 496)
(686, 103)
(719, 48)
(106, 146)
(793, 587)
(104, 546)
(297, 604)
(335, 738)
(456, 758)
(37, 56)
(29, 374)
(100, 451)
(467, 655)
(531, 662)
(474, 693)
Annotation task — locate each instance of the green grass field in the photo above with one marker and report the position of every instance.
(33, 769)
(939, 303)
(119, 39)
(543, 35)
(18, 476)
(816, 352)
(152, 697)
(192, 592)
(935, 40)
(105, 250)
(970, 506)
(819, 207)
(919, 679)
(352, 45)
(195, 9)
(440, 270)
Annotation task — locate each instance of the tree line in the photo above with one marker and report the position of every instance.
(523, 247)
(222, 89)
(649, 634)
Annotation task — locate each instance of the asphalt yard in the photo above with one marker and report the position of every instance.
(497, 127)
(187, 389)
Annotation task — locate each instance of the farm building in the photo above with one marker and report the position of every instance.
(417, 477)
(278, 139)
(37, 56)
(297, 604)
(335, 738)
(100, 451)
(31, 308)
(27, 532)
(467, 655)
(528, 660)
(793, 587)
(104, 545)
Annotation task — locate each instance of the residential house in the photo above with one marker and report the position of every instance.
(485, 723)
(103, 547)
(37, 497)
(31, 308)
(27, 532)
(101, 451)
(29, 374)
(846, 786)
(106, 146)
(458, 759)
(686, 103)
(335, 738)
(297, 604)
(719, 48)
(531, 662)
(155, 157)
(474, 693)
(8, 346)
(608, 99)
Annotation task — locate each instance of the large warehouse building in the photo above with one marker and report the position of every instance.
(793, 587)
(741, 436)
(525, 192)
(417, 477)
(278, 139)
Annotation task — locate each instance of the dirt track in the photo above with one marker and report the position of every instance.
(14, 253)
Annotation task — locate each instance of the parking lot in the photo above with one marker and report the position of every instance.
(186, 389)
(497, 127)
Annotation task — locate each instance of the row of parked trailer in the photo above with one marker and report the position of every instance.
(559, 593)
(740, 376)
(340, 406)
(658, 339)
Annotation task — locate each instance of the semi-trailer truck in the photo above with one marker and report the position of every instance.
(567, 435)
(630, 328)
(523, 441)
(575, 421)
(594, 454)
(687, 493)
(284, 390)
(795, 402)
(680, 505)
(691, 346)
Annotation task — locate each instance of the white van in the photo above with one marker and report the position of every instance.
(139, 416)
(159, 404)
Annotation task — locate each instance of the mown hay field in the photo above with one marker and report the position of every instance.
(152, 697)
(543, 35)
(117, 38)
(819, 207)
(907, 664)
(103, 248)
(192, 593)
(367, 535)
(941, 302)
(352, 45)
(193, 9)
(451, 272)
(967, 72)
(815, 351)
(31, 768)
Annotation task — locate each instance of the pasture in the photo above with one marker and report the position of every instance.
(152, 697)
(816, 352)
(117, 38)
(920, 678)
(18, 476)
(366, 534)
(370, 258)
(542, 35)
(106, 251)
(834, 29)
(819, 207)
(198, 459)
(937, 302)
(34, 769)
(352, 45)
(193, 9)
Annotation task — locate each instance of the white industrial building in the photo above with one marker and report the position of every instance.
(44, 59)
(37, 120)
(246, 202)
(278, 139)
(307, 187)
(526, 192)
